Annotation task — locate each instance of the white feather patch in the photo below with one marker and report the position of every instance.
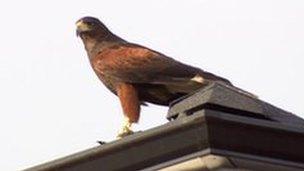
(197, 78)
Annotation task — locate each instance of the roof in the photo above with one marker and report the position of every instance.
(216, 127)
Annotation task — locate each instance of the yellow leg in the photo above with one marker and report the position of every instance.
(130, 105)
(126, 128)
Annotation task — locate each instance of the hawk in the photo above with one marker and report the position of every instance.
(137, 74)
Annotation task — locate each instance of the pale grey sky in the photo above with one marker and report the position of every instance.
(52, 104)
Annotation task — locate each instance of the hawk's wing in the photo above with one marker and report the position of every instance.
(132, 63)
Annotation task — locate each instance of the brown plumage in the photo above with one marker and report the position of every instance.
(137, 74)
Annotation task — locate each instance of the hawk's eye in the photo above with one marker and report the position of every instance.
(91, 23)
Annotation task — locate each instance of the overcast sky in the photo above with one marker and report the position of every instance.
(52, 104)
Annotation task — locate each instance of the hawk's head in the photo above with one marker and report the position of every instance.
(91, 27)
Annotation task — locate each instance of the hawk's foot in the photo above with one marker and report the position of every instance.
(126, 129)
(124, 133)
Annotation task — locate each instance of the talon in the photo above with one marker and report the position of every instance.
(126, 129)
(124, 133)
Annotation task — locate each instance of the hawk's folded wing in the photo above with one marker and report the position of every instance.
(137, 64)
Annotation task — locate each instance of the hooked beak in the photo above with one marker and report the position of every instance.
(77, 33)
(81, 27)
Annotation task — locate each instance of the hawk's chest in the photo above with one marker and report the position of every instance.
(107, 80)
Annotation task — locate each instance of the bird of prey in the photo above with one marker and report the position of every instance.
(137, 74)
